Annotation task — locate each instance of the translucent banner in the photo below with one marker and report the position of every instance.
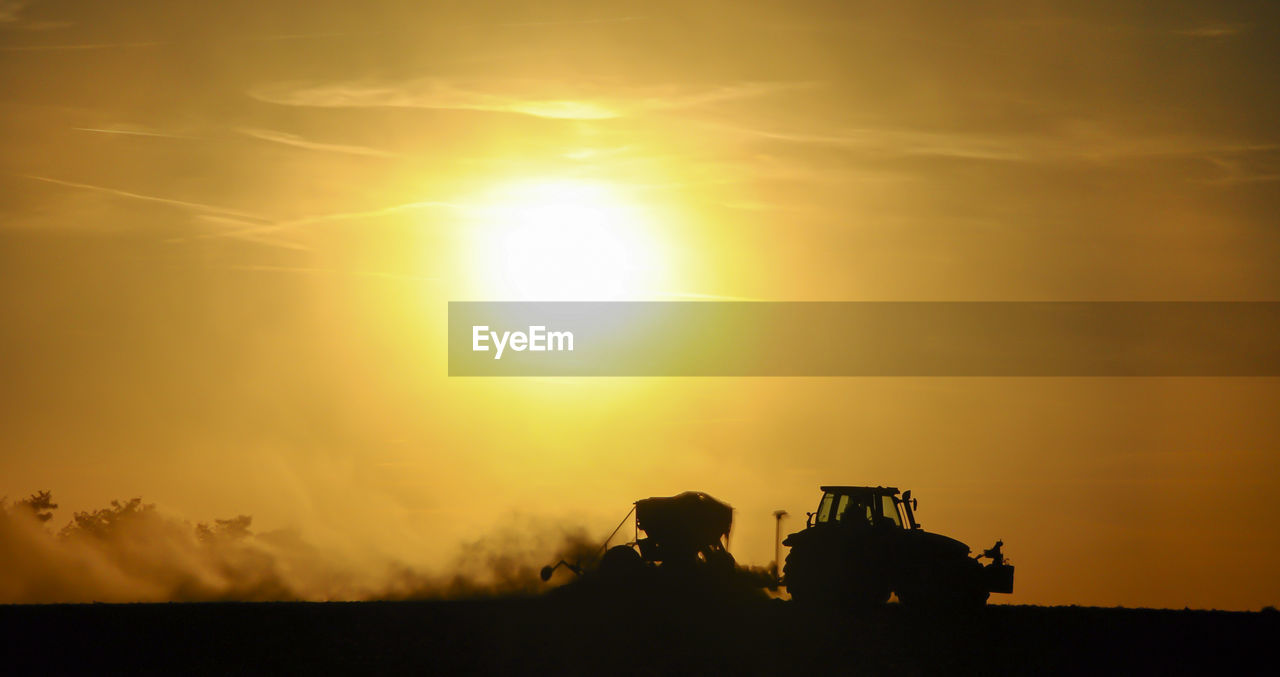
(864, 339)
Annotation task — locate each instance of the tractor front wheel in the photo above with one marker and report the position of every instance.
(952, 586)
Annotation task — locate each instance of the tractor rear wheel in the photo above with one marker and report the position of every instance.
(832, 578)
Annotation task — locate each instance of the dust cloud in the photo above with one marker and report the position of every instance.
(132, 551)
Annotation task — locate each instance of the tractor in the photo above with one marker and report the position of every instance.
(864, 543)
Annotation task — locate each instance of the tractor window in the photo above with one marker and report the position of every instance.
(824, 508)
(851, 511)
(890, 511)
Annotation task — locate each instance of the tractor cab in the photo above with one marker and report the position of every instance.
(865, 506)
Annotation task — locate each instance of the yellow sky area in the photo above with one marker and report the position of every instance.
(228, 236)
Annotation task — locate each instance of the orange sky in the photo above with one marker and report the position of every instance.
(229, 231)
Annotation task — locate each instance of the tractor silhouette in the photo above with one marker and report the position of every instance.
(864, 543)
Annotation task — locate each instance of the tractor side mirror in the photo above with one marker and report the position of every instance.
(546, 573)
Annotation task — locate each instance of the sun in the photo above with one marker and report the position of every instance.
(564, 240)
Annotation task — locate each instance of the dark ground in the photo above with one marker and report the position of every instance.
(644, 634)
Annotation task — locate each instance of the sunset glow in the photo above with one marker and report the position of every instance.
(230, 234)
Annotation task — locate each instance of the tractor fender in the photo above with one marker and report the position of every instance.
(928, 545)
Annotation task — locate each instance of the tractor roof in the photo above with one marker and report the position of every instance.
(845, 489)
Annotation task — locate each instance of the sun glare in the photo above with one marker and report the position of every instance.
(565, 240)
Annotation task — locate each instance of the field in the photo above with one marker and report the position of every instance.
(637, 635)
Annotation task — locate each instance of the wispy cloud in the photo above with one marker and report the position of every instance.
(896, 141)
(130, 130)
(1082, 144)
(1245, 178)
(308, 270)
(538, 99)
(574, 22)
(78, 46)
(29, 25)
(681, 98)
(183, 204)
(238, 229)
(1243, 170)
(692, 296)
(301, 142)
(1212, 31)
(258, 230)
(11, 10)
(293, 36)
(236, 224)
(429, 93)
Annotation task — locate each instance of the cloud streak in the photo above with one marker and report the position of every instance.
(183, 204)
(296, 141)
(312, 270)
(235, 229)
(130, 131)
(537, 99)
(11, 10)
(430, 94)
(79, 46)
(333, 217)
(573, 22)
(245, 226)
(1027, 147)
(1212, 31)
